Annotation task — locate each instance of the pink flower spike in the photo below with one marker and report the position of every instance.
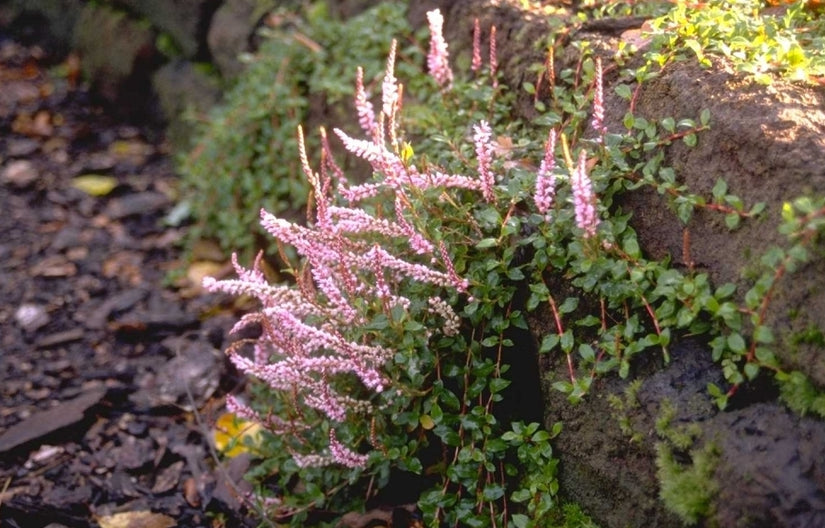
(389, 88)
(476, 65)
(366, 113)
(438, 61)
(545, 179)
(493, 56)
(343, 455)
(484, 153)
(598, 101)
(457, 282)
(319, 189)
(584, 200)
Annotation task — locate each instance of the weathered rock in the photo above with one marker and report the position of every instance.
(142, 203)
(55, 19)
(181, 86)
(231, 31)
(185, 21)
(767, 143)
(117, 53)
(771, 471)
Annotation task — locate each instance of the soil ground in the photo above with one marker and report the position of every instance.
(101, 364)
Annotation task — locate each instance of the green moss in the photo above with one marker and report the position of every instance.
(622, 408)
(571, 515)
(681, 437)
(800, 394)
(810, 336)
(687, 489)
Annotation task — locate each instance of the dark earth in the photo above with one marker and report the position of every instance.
(111, 380)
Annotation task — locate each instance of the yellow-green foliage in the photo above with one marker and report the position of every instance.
(757, 41)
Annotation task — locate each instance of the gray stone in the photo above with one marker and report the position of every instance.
(769, 457)
(44, 423)
(185, 21)
(182, 86)
(231, 31)
(59, 17)
(19, 173)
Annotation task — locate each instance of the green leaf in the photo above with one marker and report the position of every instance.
(569, 305)
(704, 117)
(623, 91)
(720, 189)
(736, 343)
(765, 356)
(690, 140)
(757, 208)
(763, 334)
(493, 492)
(540, 436)
(548, 343)
(519, 519)
(563, 386)
(732, 220)
(629, 121)
(498, 384)
(487, 243)
(586, 352)
(726, 290)
(567, 341)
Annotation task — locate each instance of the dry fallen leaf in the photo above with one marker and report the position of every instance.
(95, 184)
(232, 433)
(136, 519)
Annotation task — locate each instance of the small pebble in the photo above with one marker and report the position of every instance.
(30, 317)
(20, 173)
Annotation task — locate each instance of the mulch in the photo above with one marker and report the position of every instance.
(111, 378)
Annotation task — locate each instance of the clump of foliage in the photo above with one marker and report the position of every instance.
(688, 489)
(245, 153)
(757, 40)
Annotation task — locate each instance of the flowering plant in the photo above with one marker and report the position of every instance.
(391, 350)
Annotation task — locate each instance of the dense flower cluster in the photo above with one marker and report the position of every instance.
(598, 100)
(438, 59)
(584, 200)
(484, 152)
(476, 64)
(354, 264)
(545, 179)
